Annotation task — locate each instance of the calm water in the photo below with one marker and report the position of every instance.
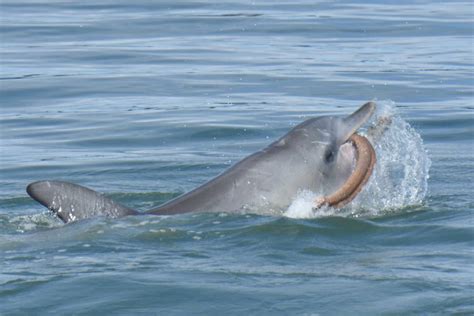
(144, 100)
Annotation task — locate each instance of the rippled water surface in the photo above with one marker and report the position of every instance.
(144, 100)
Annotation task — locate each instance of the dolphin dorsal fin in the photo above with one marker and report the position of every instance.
(72, 202)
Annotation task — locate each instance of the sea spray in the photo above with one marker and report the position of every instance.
(401, 174)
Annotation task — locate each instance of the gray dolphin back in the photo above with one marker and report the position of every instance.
(267, 180)
(72, 202)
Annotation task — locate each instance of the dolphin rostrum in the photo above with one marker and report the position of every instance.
(322, 154)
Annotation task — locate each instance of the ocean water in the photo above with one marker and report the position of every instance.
(145, 100)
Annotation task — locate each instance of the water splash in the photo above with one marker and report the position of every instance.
(27, 223)
(400, 177)
(302, 205)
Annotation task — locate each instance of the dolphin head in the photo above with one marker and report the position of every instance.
(324, 143)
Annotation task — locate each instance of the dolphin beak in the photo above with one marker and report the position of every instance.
(354, 121)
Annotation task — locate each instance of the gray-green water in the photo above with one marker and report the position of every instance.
(144, 100)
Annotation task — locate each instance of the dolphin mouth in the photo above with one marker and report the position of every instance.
(364, 165)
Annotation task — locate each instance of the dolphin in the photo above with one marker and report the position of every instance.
(322, 154)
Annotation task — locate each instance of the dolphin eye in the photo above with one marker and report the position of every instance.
(329, 156)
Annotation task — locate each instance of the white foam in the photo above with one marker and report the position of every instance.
(399, 180)
(302, 205)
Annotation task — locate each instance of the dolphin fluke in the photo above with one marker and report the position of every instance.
(72, 202)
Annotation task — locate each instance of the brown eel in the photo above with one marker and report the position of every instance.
(365, 162)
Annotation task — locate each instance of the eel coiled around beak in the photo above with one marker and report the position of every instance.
(365, 162)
